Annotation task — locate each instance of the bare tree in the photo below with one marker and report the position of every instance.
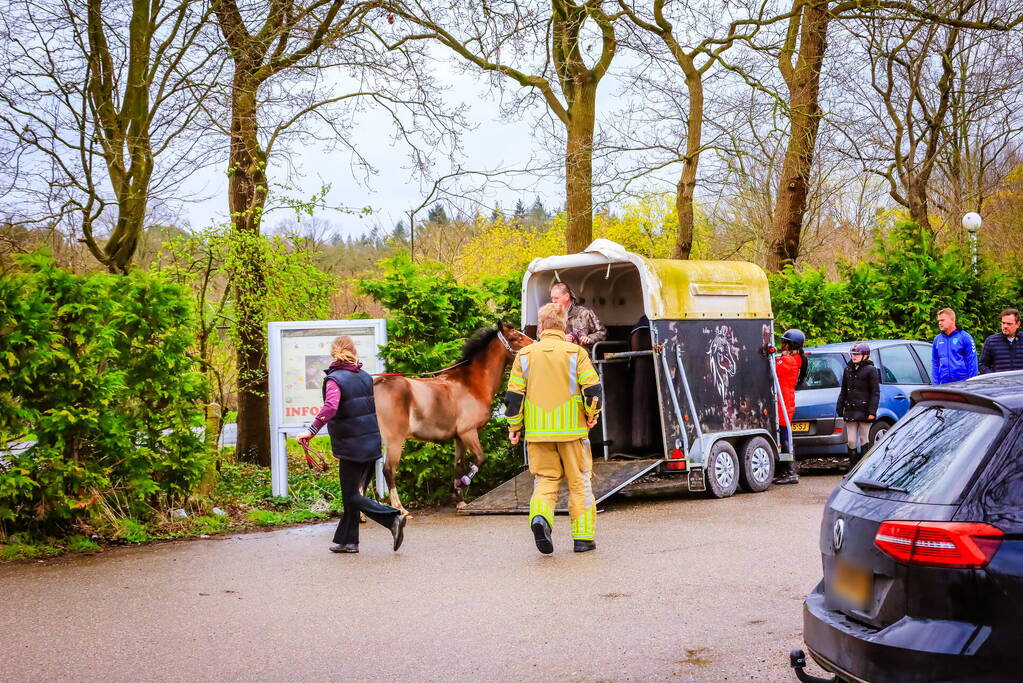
(281, 52)
(985, 127)
(694, 59)
(550, 49)
(800, 62)
(99, 102)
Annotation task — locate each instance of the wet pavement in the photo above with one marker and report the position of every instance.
(684, 589)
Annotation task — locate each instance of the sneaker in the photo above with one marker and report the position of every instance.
(584, 546)
(398, 530)
(542, 535)
(790, 478)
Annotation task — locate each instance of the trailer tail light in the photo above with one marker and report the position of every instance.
(677, 461)
(940, 544)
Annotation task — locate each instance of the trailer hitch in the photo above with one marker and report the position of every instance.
(797, 660)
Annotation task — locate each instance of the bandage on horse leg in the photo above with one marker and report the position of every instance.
(466, 478)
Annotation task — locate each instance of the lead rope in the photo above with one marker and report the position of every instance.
(320, 463)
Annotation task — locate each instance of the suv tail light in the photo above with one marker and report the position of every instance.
(940, 544)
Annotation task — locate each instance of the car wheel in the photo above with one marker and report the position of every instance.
(722, 470)
(756, 465)
(878, 430)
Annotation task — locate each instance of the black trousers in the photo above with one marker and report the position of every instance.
(356, 476)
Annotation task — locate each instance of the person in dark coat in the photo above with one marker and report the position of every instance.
(1002, 351)
(858, 399)
(350, 415)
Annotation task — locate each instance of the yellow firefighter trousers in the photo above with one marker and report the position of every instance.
(549, 461)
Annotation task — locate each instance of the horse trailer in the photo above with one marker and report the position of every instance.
(687, 370)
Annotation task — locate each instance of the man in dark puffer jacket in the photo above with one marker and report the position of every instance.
(1002, 351)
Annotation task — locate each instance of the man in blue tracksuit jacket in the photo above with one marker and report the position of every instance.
(953, 353)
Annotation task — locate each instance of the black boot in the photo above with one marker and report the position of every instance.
(584, 546)
(345, 548)
(786, 473)
(542, 535)
(854, 457)
(398, 530)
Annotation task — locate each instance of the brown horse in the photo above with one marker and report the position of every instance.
(454, 404)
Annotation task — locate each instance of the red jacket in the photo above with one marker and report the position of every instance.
(787, 367)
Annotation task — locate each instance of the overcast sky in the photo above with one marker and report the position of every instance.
(393, 190)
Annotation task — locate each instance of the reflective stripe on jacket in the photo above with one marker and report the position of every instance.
(552, 390)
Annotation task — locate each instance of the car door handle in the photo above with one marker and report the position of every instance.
(900, 397)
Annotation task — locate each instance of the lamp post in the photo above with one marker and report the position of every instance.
(972, 222)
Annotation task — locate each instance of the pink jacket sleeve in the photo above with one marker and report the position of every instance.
(329, 408)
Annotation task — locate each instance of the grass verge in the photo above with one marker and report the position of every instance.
(236, 498)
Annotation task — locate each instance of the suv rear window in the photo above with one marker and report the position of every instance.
(930, 455)
(823, 371)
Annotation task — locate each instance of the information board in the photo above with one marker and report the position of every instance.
(299, 352)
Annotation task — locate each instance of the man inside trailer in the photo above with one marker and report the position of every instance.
(584, 328)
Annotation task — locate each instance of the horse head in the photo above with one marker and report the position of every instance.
(512, 339)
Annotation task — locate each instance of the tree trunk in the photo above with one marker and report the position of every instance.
(685, 190)
(247, 191)
(122, 127)
(131, 217)
(579, 170)
(804, 115)
(916, 192)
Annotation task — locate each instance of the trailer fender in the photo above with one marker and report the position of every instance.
(699, 449)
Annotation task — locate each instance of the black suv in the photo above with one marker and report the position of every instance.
(922, 545)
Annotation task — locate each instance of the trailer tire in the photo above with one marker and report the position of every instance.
(722, 470)
(756, 465)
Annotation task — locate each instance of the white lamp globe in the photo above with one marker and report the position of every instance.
(971, 221)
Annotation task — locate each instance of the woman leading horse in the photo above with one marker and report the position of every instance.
(351, 420)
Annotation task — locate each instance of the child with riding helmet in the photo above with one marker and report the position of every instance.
(858, 399)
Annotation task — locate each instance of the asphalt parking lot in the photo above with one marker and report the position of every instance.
(684, 589)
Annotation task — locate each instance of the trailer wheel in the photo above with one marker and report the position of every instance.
(722, 470)
(756, 465)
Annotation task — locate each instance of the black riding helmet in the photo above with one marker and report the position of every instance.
(795, 338)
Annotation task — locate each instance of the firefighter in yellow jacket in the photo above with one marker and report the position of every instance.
(555, 393)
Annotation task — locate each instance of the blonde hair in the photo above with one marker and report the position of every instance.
(553, 317)
(343, 349)
(949, 312)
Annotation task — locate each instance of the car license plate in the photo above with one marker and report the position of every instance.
(852, 584)
(800, 427)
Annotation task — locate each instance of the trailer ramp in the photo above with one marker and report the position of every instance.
(512, 497)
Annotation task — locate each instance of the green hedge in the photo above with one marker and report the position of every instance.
(895, 294)
(95, 370)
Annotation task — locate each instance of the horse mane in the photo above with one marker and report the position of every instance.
(477, 344)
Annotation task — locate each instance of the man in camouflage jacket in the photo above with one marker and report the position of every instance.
(584, 328)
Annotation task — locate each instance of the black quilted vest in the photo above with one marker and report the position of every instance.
(354, 434)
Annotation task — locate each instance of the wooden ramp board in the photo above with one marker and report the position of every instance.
(512, 497)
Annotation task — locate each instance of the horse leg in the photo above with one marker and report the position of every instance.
(456, 494)
(390, 469)
(470, 441)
